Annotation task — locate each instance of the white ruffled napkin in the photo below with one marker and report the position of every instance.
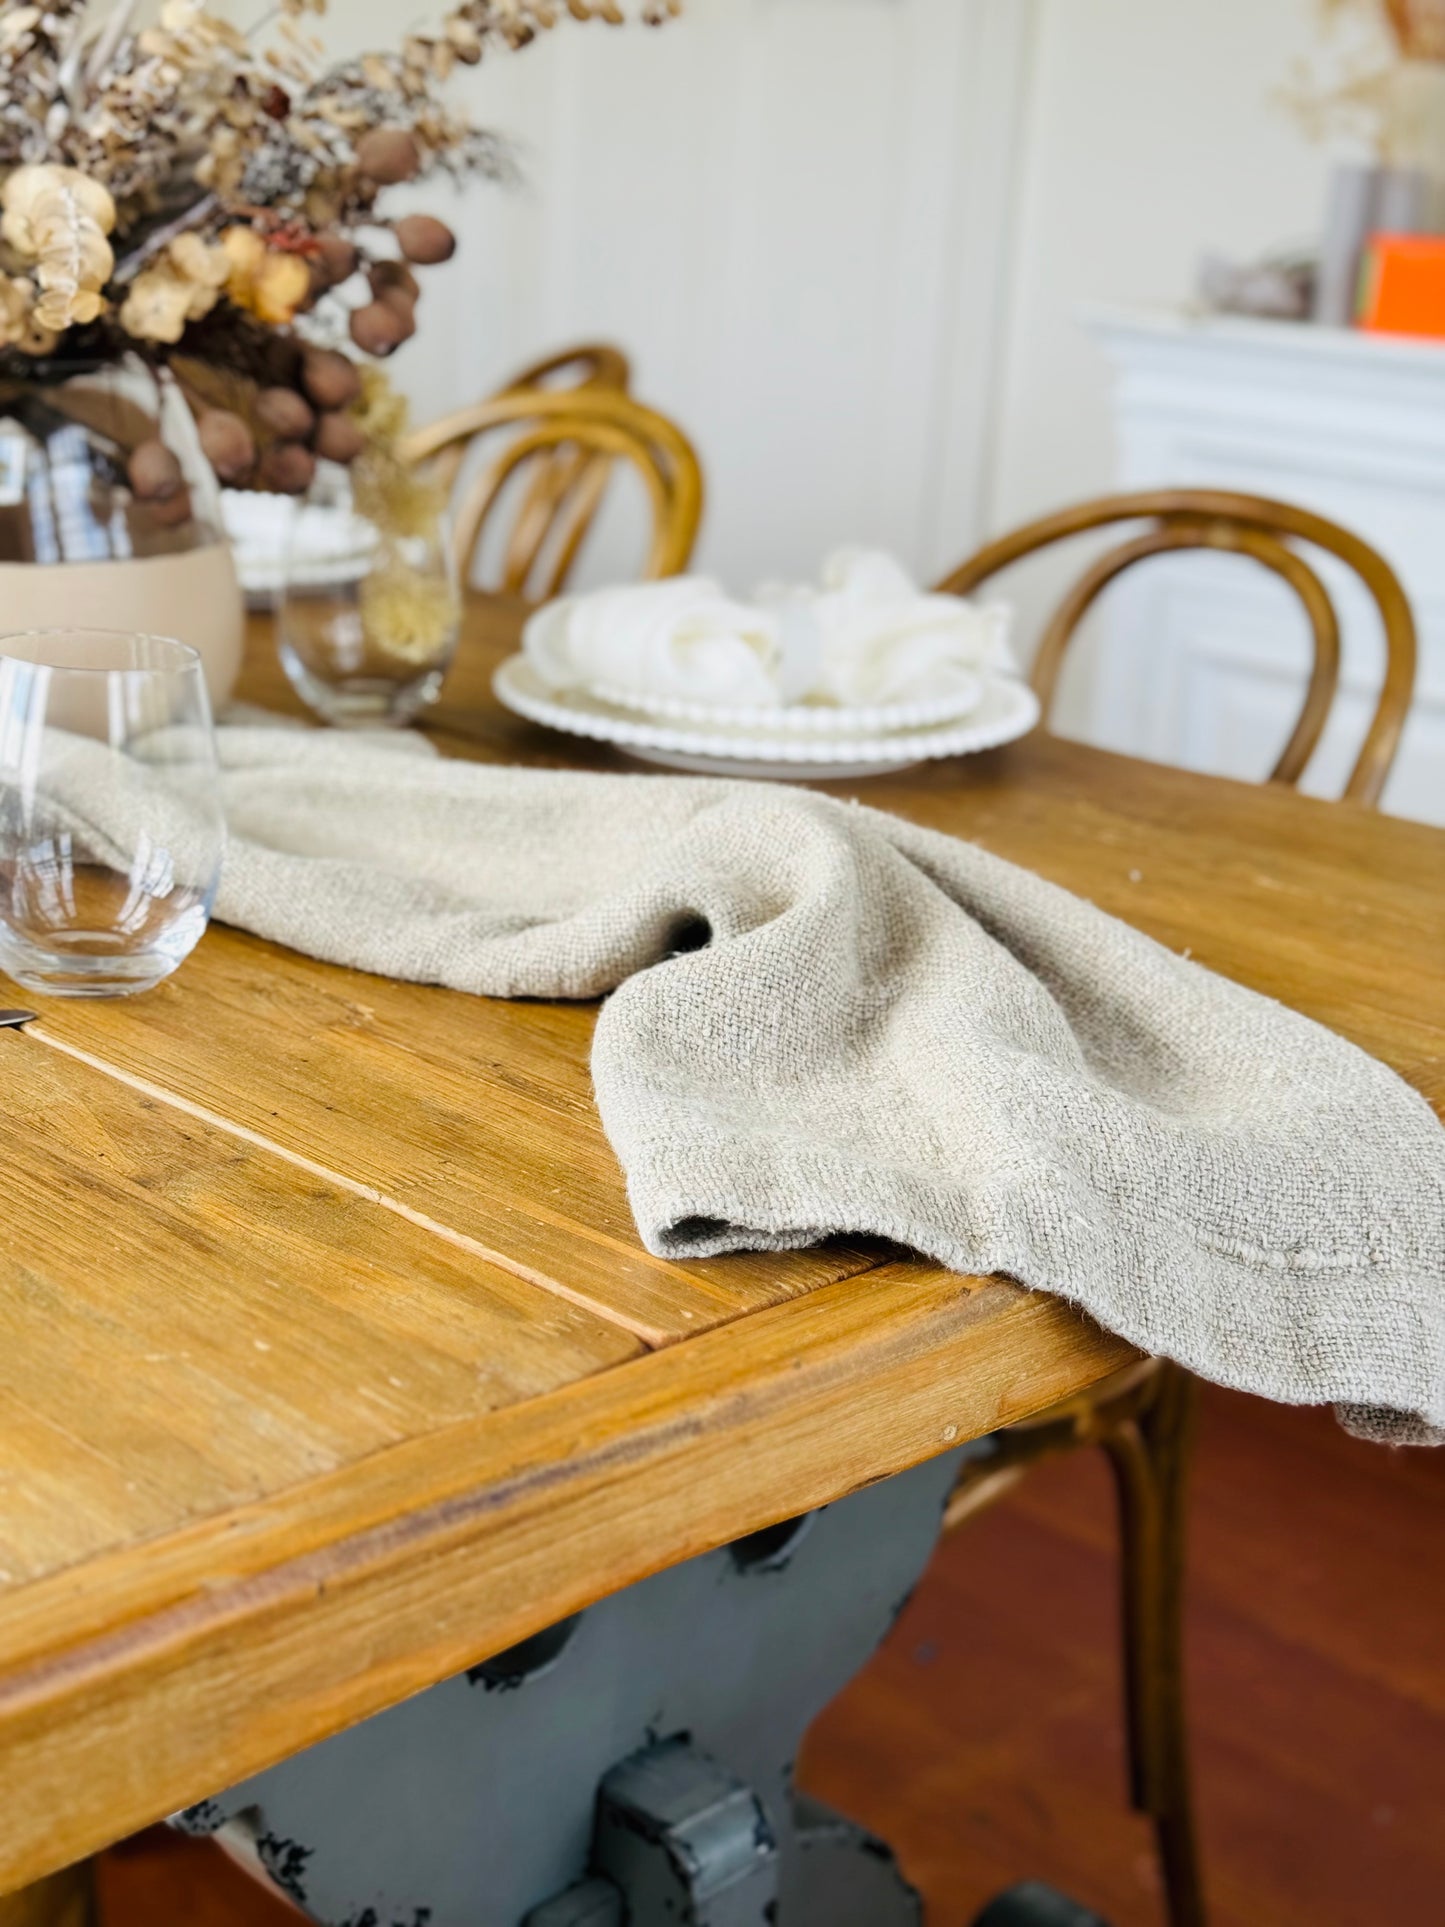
(678, 637)
(865, 635)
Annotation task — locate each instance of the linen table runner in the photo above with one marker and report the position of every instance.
(821, 1019)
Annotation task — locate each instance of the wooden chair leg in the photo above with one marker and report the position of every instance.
(1150, 1456)
(65, 1900)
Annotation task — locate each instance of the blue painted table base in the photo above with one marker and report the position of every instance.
(630, 1765)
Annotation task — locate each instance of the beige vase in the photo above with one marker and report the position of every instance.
(193, 596)
(80, 547)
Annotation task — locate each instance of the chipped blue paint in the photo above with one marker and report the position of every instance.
(476, 1804)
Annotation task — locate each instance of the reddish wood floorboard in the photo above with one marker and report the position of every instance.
(984, 1741)
(163, 1879)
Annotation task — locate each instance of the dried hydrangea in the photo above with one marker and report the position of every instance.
(181, 286)
(266, 282)
(18, 327)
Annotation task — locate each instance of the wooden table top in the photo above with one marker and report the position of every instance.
(330, 1361)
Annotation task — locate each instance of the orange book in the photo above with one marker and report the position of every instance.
(1403, 287)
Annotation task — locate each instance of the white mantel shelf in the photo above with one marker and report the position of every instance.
(1298, 343)
(1203, 658)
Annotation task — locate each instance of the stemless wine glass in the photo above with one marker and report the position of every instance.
(111, 833)
(370, 612)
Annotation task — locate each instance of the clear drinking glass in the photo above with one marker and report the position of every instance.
(111, 833)
(370, 612)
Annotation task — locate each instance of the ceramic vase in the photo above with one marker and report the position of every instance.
(79, 548)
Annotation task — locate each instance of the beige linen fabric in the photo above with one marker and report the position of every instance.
(822, 1019)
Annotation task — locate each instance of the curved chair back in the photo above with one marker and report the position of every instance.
(1251, 525)
(558, 448)
(590, 363)
(1143, 1417)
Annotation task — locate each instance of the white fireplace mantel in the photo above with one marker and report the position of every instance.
(1202, 659)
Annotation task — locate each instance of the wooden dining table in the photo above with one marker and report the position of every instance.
(331, 1361)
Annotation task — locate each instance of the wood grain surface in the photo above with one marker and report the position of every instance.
(330, 1361)
(472, 1116)
(190, 1322)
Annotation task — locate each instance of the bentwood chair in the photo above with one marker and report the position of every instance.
(579, 475)
(1143, 1417)
(557, 450)
(591, 364)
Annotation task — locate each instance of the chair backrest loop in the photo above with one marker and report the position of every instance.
(1249, 525)
(560, 450)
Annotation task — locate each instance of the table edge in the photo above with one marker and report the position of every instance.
(255, 1635)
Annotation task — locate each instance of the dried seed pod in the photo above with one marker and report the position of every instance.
(380, 329)
(401, 303)
(393, 282)
(339, 437)
(287, 468)
(154, 472)
(174, 511)
(388, 155)
(285, 413)
(398, 303)
(227, 443)
(331, 379)
(280, 360)
(424, 239)
(338, 257)
(320, 284)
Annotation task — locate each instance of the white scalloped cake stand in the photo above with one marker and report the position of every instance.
(1006, 709)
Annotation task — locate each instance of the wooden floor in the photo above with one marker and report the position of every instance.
(984, 1740)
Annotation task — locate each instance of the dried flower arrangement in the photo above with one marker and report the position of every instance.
(1369, 90)
(178, 191)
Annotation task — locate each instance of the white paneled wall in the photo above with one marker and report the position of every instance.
(1154, 130)
(1202, 659)
(845, 240)
(847, 243)
(794, 214)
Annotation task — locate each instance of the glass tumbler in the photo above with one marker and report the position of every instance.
(111, 832)
(370, 612)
